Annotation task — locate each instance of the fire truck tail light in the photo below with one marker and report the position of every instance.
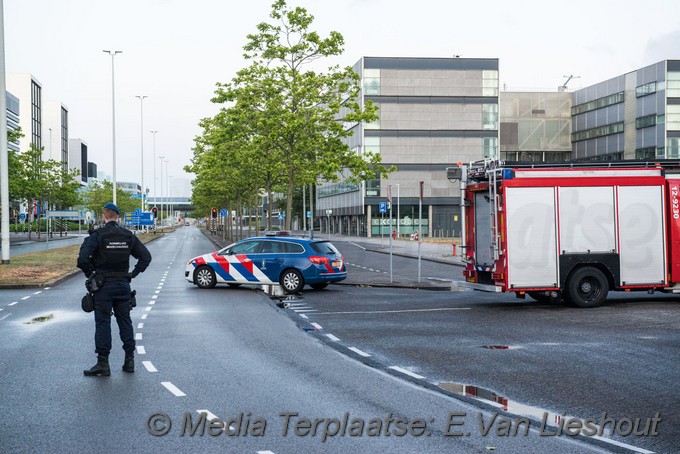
(467, 273)
(497, 276)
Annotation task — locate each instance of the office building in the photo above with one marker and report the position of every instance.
(432, 112)
(632, 116)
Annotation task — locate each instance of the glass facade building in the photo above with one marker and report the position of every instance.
(632, 116)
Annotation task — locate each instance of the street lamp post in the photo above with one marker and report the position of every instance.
(398, 217)
(167, 188)
(155, 196)
(113, 115)
(161, 199)
(141, 114)
(170, 207)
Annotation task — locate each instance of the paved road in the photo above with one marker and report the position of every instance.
(229, 353)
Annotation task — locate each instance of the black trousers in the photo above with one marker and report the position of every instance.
(113, 295)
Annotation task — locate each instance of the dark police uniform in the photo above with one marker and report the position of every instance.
(106, 252)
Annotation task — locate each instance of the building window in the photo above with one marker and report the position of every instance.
(490, 148)
(597, 132)
(371, 82)
(489, 116)
(599, 103)
(645, 153)
(673, 117)
(372, 145)
(645, 89)
(649, 120)
(490, 83)
(372, 187)
(673, 148)
(673, 84)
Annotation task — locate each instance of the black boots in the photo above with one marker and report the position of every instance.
(129, 364)
(101, 368)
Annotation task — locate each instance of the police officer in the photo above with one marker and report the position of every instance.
(105, 259)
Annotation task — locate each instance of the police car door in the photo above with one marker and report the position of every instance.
(243, 263)
(270, 258)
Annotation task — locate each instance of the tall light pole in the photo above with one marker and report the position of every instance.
(4, 166)
(398, 217)
(113, 115)
(155, 196)
(141, 114)
(167, 188)
(161, 204)
(170, 207)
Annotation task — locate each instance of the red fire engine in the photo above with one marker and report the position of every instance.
(570, 231)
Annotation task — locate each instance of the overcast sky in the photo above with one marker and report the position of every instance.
(174, 51)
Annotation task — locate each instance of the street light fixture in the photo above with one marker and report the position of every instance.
(113, 115)
(141, 114)
(167, 188)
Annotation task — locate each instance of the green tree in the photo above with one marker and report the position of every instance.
(99, 193)
(297, 118)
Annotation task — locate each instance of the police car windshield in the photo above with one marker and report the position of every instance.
(324, 247)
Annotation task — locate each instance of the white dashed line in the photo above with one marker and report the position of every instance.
(152, 302)
(157, 292)
(208, 415)
(173, 389)
(13, 303)
(141, 350)
(138, 336)
(333, 338)
(144, 316)
(25, 298)
(140, 325)
(154, 297)
(38, 292)
(359, 352)
(317, 326)
(148, 309)
(5, 317)
(406, 372)
(1, 309)
(149, 366)
(301, 315)
(265, 452)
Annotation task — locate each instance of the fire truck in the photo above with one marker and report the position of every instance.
(570, 232)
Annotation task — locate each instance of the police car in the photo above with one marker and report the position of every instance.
(289, 261)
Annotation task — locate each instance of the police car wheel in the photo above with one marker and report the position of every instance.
(292, 281)
(204, 277)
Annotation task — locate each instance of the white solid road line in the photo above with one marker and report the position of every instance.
(317, 326)
(399, 311)
(173, 389)
(333, 338)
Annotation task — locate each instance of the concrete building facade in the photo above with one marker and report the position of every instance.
(432, 112)
(29, 92)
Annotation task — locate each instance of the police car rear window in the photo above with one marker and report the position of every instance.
(324, 247)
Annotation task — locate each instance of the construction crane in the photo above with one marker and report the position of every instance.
(563, 87)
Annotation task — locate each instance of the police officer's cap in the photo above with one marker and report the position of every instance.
(113, 207)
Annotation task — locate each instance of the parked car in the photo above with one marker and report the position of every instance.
(286, 260)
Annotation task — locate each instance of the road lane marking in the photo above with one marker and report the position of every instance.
(157, 292)
(623, 445)
(149, 366)
(148, 309)
(152, 302)
(154, 297)
(399, 311)
(208, 415)
(141, 350)
(140, 325)
(138, 336)
(13, 303)
(406, 372)
(359, 352)
(144, 316)
(357, 245)
(173, 389)
(301, 315)
(317, 326)
(38, 292)
(333, 338)
(25, 298)
(265, 452)
(4, 317)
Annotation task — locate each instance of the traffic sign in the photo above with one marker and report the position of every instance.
(223, 212)
(383, 207)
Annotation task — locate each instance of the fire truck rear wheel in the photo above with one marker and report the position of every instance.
(587, 287)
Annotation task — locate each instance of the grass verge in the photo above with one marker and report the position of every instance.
(43, 266)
